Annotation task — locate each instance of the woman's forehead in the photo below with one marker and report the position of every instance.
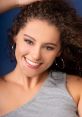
(40, 29)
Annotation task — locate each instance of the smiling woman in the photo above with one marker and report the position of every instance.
(32, 42)
(38, 38)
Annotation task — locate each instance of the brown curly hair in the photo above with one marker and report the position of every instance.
(56, 12)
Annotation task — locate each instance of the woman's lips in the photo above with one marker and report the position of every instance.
(33, 65)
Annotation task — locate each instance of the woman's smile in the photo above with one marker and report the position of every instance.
(29, 63)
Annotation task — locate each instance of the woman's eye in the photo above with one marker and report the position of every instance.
(28, 41)
(49, 48)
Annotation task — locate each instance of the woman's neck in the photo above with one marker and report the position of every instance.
(24, 81)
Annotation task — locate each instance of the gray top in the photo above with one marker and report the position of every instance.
(53, 100)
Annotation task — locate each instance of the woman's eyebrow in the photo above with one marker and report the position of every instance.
(49, 43)
(29, 37)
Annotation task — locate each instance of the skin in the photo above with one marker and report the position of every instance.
(6, 5)
(32, 42)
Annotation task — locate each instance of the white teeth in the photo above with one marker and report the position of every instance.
(31, 63)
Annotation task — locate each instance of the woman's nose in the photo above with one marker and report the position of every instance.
(36, 54)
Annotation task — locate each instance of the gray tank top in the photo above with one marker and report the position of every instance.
(53, 100)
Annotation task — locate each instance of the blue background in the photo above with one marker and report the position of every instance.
(5, 22)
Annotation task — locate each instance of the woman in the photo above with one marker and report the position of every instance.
(39, 37)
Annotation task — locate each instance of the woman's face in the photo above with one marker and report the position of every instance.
(37, 46)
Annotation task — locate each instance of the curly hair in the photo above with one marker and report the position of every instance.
(56, 12)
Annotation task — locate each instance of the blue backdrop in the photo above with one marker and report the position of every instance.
(5, 22)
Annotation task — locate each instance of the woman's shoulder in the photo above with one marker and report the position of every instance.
(3, 87)
(2, 94)
(7, 96)
(74, 86)
(74, 80)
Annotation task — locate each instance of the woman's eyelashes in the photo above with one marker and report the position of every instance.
(28, 41)
(49, 48)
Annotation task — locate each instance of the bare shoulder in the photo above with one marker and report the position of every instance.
(74, 81)
(5, 96)
(2, 94)
(74, 86)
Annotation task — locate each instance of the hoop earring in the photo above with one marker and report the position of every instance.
(13, 47)
(59, 62)
(13, 50)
